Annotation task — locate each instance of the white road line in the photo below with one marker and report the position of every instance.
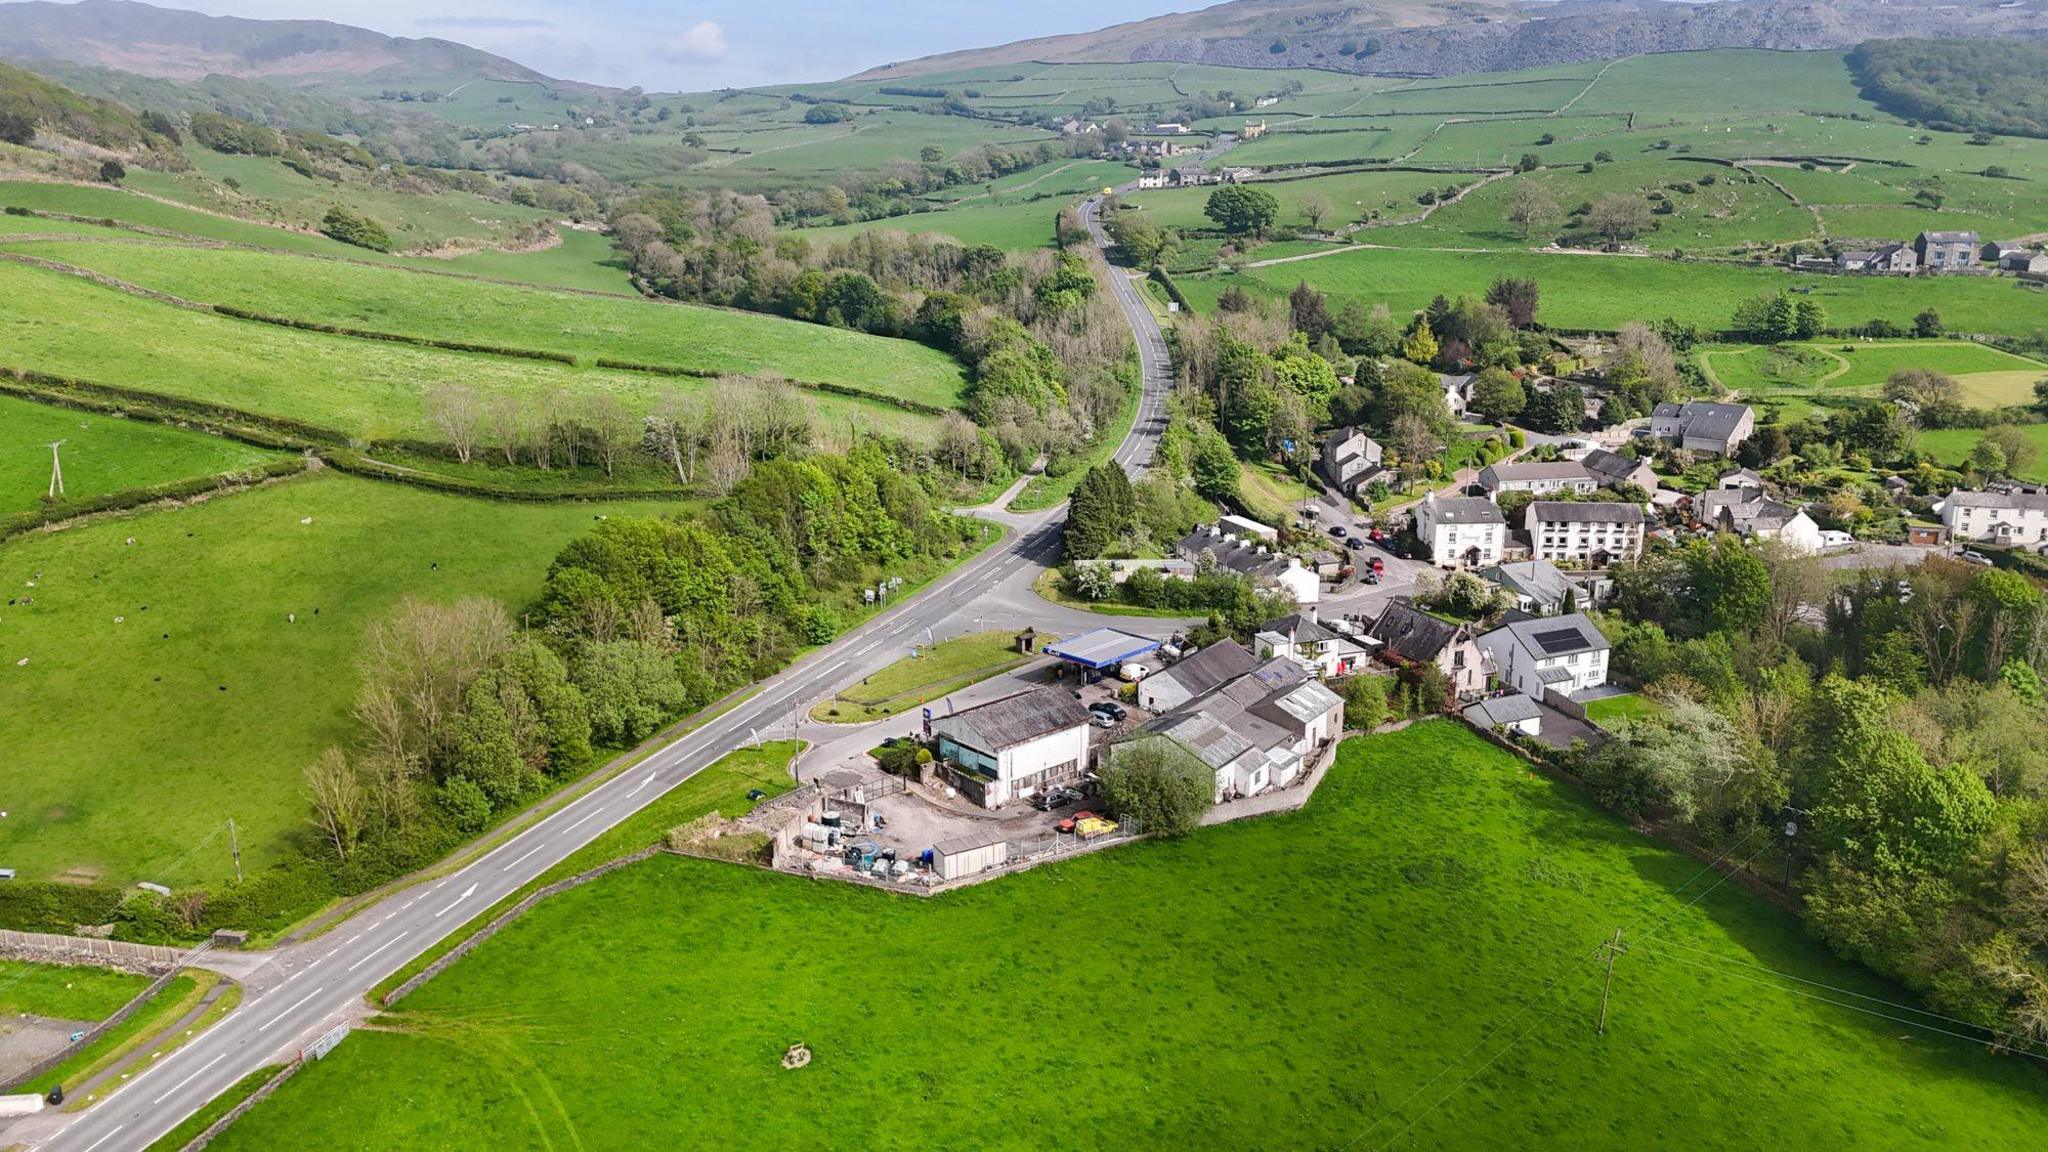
(102, 1140)
(265, 1026)
(466, 894)
(380, 948)
(408, 903)
(642, 784)
(189, 1079)
(594, 812)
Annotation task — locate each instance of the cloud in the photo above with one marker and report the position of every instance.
(705, 41)
(481, 22)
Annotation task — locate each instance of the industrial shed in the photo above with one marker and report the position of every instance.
(964, 856)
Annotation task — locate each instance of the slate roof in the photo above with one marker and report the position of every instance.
(1412, 634)
(2015, 501)
(1539, 580)
(1013, 720)
(1549, 636)
(1705, 419)
(1541, 470)
(1240, 556)
(1949, 237)
(1299, 627)
(1202, 734)
(1512, 708)
(1743, 510)
(1579, 512)
(1609, 466)
(1466, 510)
(1349, 443)
(1200, 674)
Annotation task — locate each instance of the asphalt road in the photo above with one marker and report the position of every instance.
(309, 988)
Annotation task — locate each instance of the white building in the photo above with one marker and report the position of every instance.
(1750, 514)
(1259, 730)
(1540, 478)
(1592, 534)
(1152, 178)
(1248, 528)
(1253, 558)
(1514, 712)
(1998, 517)
(1566, 653)
(1460, 531)
(1014, 748)
(1351, 458)
(1305, 640)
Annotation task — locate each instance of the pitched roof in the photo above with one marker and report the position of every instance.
(1549, 636)
(1013, 720)
(2015, 501)
(1464, 510)
(1299, 627)
(1706, 419)
(1539, 580)
(1949, 237)
(1540, 470)
(1581, 512)
(1609, 465)
(1412, 634)
(1512, 708)
(1202, 734)
(1201, 673)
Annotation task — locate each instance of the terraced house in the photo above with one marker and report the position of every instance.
(1591, 534)
(1997, 517)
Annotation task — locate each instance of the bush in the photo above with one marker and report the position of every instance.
(354, 228)
(1159, 784)
(1365, 702)
(464, 801)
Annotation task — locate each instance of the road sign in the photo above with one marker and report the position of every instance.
(325, 1044)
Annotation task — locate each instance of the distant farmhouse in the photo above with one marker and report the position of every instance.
(1946, 251)
(1704, 425)
(1890, 260)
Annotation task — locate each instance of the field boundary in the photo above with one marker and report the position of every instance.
(119, 1016)
(53, 517)
(213, 1130)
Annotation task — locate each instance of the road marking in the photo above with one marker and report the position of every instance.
(524, 855)
(586, 819)
(642, 784)
(466, 894)
(104, 1139)
(189, 1079)
(408, 903)
(380, 948)
(265, 1026)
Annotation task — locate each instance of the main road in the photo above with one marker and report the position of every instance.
(308, 988)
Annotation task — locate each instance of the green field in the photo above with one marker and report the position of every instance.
(935, 670)
(65, 325)
(588, 327)
(101, 454)
(1353, 196)
(1952, 447)
(1598, 291)
(1445, 901)
(186, 693)
(1988, 377)
(1014, 226)
(63, 992)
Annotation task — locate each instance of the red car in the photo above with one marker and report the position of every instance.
(1379, 565)
(1070, 822)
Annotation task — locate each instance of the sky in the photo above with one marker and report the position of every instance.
(692, 45)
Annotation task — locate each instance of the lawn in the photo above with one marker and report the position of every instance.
(1409, 961)
(1988, 377)
(1012, 225)
(167, 688)
(63, 992)
(162, 1010)
(65, 325)
(1611, 712)
(101, 454)
(1269, 493)
(1952, 447)
(931, 672)
(588, 327)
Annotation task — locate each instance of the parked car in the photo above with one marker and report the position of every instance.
(1074, 821)
(1102, 719)
(1339, 531)
(1378, 535)
(1354, 542)
(1372, 576)
(1110, 708)
(1974, 557)
(1094, 826)
(1055, 797)
(1379, 566)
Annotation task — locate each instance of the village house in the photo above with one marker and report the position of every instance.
(1191, 177)
(1593, 534)
(1152, 178)
(1540, 588)
(1261, 729)
(1995, 517)
(2022, 260)
(1940, 252)
(1253, 129)
(1890, 260)
(1565, 654)
(1351, 458)
(1314, 645)
(1540, 478)
(1704, 425)
(1014, 748)
(1251, 558)
(1460, 531)
(1613, 470)
(1457, 391)
(1408, 635)
(1750, 514)
(1171, 129)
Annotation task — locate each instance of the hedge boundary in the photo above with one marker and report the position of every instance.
(278, 432)
(847, 390)
(357, 463)
(126, 499)
(391, 337)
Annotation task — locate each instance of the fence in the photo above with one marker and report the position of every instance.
(177, 964)
(53, 948)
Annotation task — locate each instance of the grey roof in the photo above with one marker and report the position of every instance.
(1412, 634)
(1742, 510)
(968, 842)
(1859, 255)
(1202, 734)
(1539, 580)
(1013, 720)
(1299, 627)
(1348, 443)
(1466, 510)
(1609, 465)
(1557, 470)
(1582, 512)
(1302, 703)
(1949, 237)
(1512, 708)
(1549, 636)
(1200, 674)
(1554, 675)
(1706, 419)
(1102, 646)
(2017, 501)
(1241, 556)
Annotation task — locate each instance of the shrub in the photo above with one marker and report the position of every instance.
(1157, 782)
(464, 801)
(353, 228)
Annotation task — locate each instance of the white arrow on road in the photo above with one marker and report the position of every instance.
(466, 894)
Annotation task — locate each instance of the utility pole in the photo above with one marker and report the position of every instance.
(56, 471)
(235, 847)
(1613, 948)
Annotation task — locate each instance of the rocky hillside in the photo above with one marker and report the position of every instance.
(1405, 37)
(181, 45)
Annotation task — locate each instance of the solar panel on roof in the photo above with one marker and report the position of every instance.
(1560, 640)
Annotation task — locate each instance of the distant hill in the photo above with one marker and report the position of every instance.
(175, 44)
(1450, 37)
(29, 102)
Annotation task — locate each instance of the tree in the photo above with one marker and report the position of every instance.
(1140, 237)
(1923, 388)
(419, 661)
(1498, 394)
(1517, 296)
(113, 171)
(1559, 408)
(1157, 782)
(1101, 513)
(611, 428)
(1927, 324)
(1809, 319)
(632, 689)
(339, 804)
(1238, 209)
(1365, 702)
(1529, 162)
(1731, 588)
(1619, 216)
(1308, 312)
(18, 123)
(1314, 206)
(2015, 446)
(1530, 207)
(1987, 458)
(1420, 347)
(1371, 332)
(454, 411)
(1679, 761)
(354, 228)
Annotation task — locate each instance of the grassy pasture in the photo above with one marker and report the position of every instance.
(205, 701)
(588, 327)
(64, 992)
(1014, 225)
(64, 325)
(948, 666)
(1594, 291)
(101, 454)
(1611, 712)
(1952, 447)
(1445, 901)
(1352, 195)
(1988, 377)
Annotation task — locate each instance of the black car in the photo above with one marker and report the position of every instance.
(1109, 708)
(1340, 531)
(1354, 543)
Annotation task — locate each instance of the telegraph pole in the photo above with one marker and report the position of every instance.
(56, 470)
(235, 847)
(1613, 948)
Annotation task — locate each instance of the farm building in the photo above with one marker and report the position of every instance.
(964, 856)
(1013, 748)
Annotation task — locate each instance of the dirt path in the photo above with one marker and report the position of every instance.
(1567, 105)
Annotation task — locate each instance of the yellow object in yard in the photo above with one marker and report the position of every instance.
(1094, 826)
(1108, 191)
